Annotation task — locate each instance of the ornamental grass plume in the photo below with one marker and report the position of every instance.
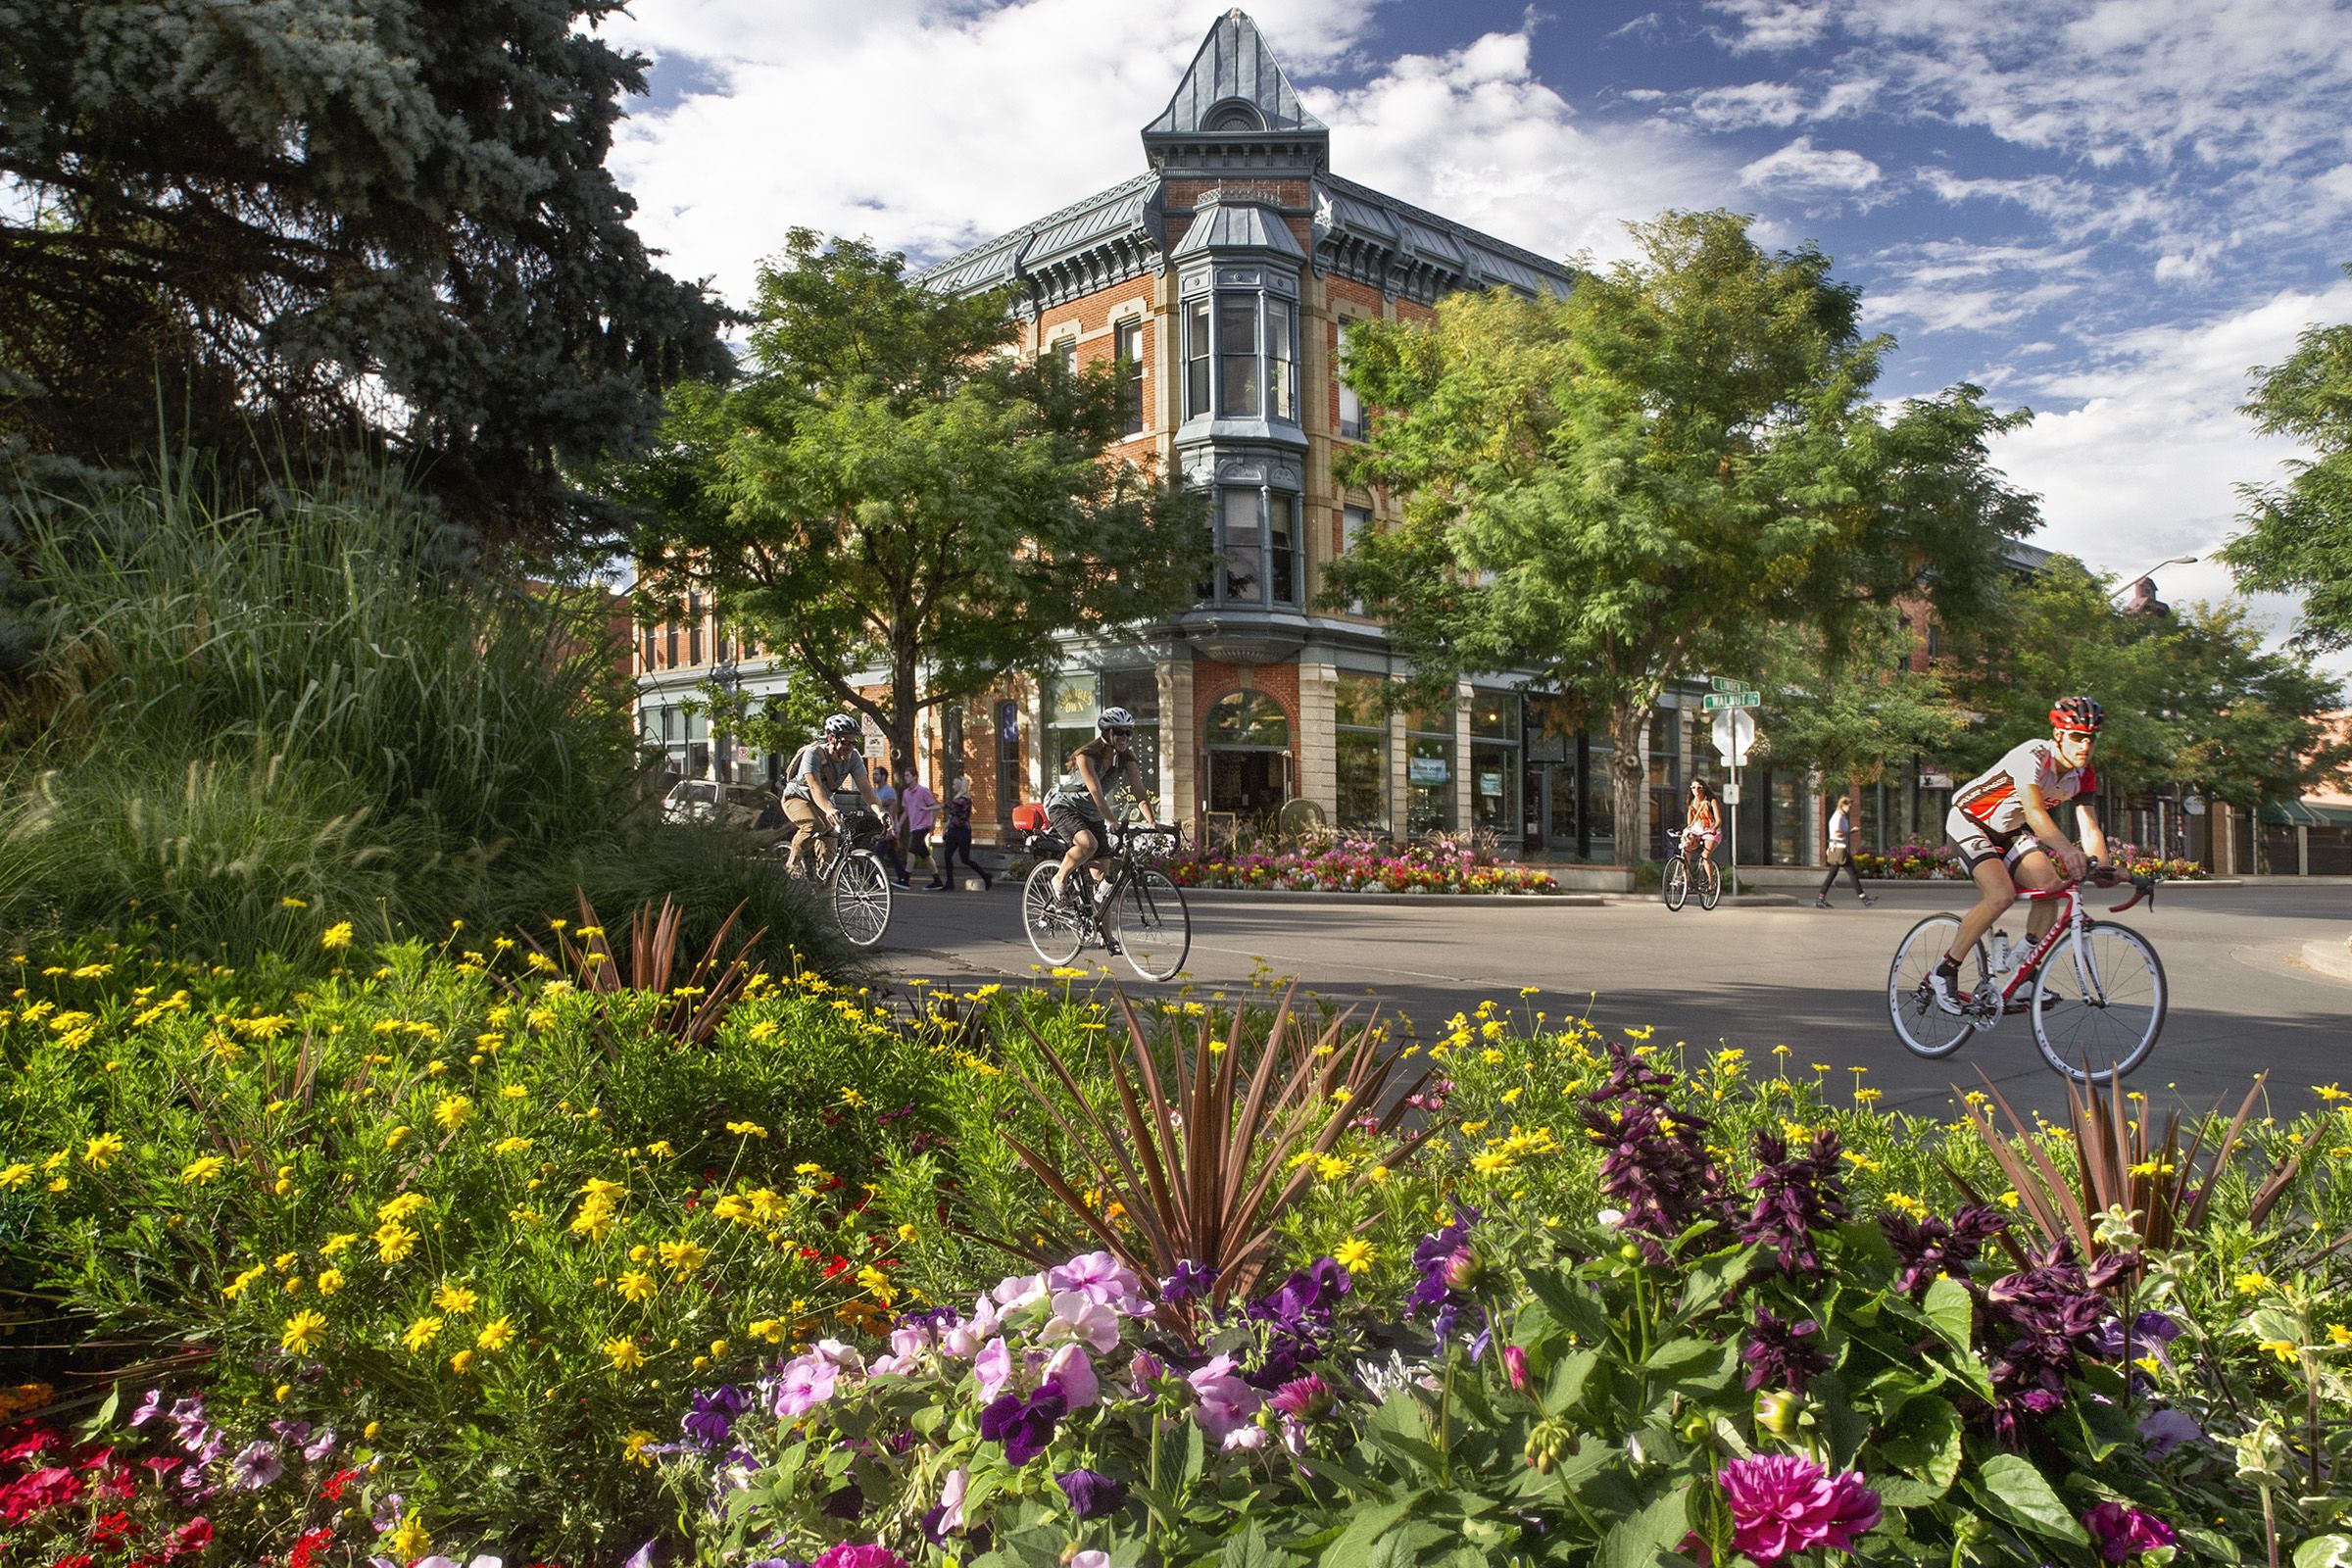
(1796, 1198)
(1782, 1504)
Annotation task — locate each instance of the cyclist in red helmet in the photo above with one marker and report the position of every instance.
(2005, 825)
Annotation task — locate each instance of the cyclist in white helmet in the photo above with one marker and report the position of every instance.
(818, 769)
(2005, 825)
(1079, 806)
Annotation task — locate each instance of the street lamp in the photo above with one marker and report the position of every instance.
(2136, 578)
(728, 677)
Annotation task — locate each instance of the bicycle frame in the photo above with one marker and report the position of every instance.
(2071, 921)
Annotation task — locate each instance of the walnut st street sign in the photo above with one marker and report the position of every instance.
(1715, 700)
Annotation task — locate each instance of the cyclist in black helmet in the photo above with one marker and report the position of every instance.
(2005, 825)
(818, 769)
(1079, 806)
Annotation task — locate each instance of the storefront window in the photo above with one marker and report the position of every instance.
(1361, 740)
(1077, 701)
(1494, 763)
(1429, 771)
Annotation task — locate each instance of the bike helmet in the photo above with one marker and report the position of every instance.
(841, 726)
(1115, 719)
(2077, 713)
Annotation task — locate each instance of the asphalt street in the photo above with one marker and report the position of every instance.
(2242, 1001)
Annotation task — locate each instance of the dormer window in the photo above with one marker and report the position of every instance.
(1235, 116)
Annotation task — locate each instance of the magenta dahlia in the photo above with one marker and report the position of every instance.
(1782, 1504)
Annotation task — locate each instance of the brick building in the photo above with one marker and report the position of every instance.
(1224, 276)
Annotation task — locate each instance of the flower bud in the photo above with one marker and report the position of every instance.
(1778, 1413)
(1629, 1253)
(1697, 1430)
(1465, 1268)
(1514, 1366)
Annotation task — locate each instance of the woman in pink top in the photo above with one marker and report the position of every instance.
(922, 810)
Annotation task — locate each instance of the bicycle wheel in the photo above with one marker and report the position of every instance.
(1675, 885)
(2100, 1002)
(1710, 883)
(1055, 930)
(861, 899)
(1925, 1029)
(1153, 927)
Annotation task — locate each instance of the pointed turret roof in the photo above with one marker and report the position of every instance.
(1234, 71)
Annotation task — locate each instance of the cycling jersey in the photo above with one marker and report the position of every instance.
(1111, 763)
(830, 772)
(1995, 800)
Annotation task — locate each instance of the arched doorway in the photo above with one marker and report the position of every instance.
(1248, 737)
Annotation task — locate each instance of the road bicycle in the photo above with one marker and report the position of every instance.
(1136, 910)
(2096, 990)
(843, 861)
(1684, 874)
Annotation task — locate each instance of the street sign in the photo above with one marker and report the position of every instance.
(1715, 700)
(1731, 795)
(1725, 683)
(1734, 734)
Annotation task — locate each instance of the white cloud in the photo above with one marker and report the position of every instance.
(1959, 310)
(1808, 174)
(2143, 454)
(924, 124)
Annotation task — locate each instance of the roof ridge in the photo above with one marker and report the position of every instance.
(1036, 224)
(1448, 224)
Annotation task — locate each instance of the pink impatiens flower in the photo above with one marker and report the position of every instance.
(1074, 1371)
(1782, 1504)
(994, 1368)
(1102, 1278)
(1226, 1401)
(806, 1381)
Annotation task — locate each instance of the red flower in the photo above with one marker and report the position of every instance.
(194, 1536)
(26, 1447)
(113, 1529)
(37, 1492)
(333, 1489)
(79, 1559)
(313, 1542)
(836, 1266)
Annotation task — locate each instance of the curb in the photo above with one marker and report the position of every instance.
(2330, 957)
(1571, 900)
(1750, 901)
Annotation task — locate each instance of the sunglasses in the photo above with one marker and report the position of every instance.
(1118, 734)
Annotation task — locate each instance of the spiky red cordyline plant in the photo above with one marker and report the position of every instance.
(696, 1006)
(2121, 1161)
(1200, 1160)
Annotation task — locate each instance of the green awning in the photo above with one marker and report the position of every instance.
(2306, 813)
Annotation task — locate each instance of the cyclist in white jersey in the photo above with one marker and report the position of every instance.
(2005, 825)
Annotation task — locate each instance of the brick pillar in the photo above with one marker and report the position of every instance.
(1318, 752)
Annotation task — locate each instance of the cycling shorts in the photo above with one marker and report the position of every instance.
(1068, 821)
(1978, 843)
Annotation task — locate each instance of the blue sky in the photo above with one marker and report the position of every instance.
(2104, 212)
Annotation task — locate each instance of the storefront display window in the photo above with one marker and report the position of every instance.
(1360, 739)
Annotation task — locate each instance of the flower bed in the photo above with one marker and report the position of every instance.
(1941, 863)
(1345, 864)
(1613, 1302)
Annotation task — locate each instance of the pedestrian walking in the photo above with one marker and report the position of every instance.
(957, 839)
(1839, 855)
(888, 849)
(920, 808)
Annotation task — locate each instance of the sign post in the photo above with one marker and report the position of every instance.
(1735, 735)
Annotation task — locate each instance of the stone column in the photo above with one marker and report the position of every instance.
(1318, 749)
(1462, 813)
(1178, 731)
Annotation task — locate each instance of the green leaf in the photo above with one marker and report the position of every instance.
(1693, 1365)
(1572, 1305)
(1248, 1549)
(1950, 1313)
(2013, 1492)
(1707, 1281)
(1567, 1384)
(1648, 1537)
(2324, 1551)
(1922, 1439)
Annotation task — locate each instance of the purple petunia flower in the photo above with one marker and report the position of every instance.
(1024, 1426)
(1190, 1282)
(2166, 1430)
(714, 1415)
(256, 1465)
(1092, 1494)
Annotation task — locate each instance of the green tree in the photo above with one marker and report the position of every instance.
(2298, 537)
(890, 488)
(1643, 480)
(1844, 709)
(383, 223)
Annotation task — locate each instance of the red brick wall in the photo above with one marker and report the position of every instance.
(1213, 679)
(1097, 344)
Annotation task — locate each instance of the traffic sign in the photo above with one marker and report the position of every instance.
(1715, 700)
(1727, 683)
(1734, 734)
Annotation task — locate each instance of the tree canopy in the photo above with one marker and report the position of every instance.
(892, 491)
(2298, 537)
(383, 223)
(1643, 480)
